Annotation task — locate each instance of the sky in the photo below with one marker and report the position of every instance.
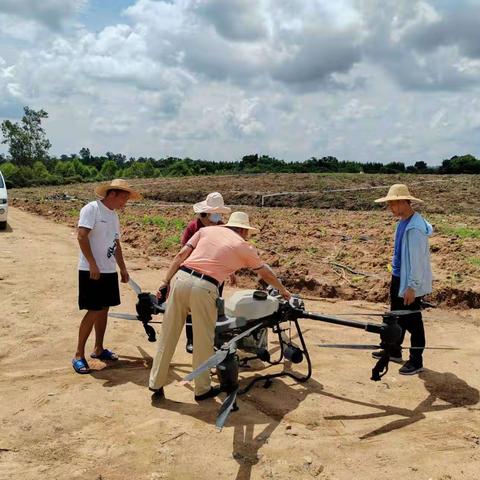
(361, 80)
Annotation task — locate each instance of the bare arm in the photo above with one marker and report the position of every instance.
(121, 263)
(83, 241)
(268, 275)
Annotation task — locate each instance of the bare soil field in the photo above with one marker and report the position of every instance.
(339, 249)
(339, 425)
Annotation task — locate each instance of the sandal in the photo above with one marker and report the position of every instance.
(80, 365)
(105, 355)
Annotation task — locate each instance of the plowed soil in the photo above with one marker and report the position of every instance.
(339, 425)
(342, 251)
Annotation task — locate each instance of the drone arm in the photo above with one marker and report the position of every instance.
(369, 327)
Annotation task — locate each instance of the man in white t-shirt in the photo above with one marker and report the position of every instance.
(100, 253)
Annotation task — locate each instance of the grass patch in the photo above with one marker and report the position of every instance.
(164, 224)
(177, 224)
(155, 220)
(475, 261)
(462, 232)
(172, 240)
(73, 212)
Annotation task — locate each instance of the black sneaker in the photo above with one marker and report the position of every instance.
(410, 369)
(158, 393)
(380, 353)
(213, 392)
(189, 347)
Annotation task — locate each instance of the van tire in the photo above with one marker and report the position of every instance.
(3, 225)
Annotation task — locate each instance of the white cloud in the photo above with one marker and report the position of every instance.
(51, 13)
(363, 80)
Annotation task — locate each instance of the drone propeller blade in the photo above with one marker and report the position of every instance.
(220, 355)
(227, 406)
(352, 346)
(135, 286)
(123, 316)
(397, 313)
(126, 316)
(355, 346)
(213, 361)
(246, 333)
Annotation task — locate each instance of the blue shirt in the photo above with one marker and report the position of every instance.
(397, 249)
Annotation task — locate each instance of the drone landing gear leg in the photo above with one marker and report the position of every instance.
(283, 347)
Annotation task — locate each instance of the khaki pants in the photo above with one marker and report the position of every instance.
(188, 294)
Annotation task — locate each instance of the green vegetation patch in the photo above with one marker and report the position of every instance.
(475, 261)
(171, 241)
(73, 212)
(462, 232)
(164, 224)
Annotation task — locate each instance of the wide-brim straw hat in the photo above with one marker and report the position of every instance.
(212, 204)
(240, 220)
(399, 191)
(117, 184)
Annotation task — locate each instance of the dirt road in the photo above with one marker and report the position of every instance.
(339, 425)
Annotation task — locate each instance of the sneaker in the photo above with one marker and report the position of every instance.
(380, 353)
(158, 393)
(189, 347)
(410, 369)
(213, 392)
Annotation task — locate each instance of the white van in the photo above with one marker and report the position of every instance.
(3, 203)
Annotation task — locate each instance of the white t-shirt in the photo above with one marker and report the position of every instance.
(103, 237)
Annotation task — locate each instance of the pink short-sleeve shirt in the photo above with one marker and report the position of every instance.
(219, 251)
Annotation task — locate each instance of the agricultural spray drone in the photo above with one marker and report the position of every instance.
(243, 322)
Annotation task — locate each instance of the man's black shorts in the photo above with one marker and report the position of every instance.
(97, 294)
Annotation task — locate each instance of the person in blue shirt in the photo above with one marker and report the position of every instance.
(411, 274)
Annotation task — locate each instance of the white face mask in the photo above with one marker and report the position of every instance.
(215, 217)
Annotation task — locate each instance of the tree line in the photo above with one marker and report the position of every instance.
(29, 163)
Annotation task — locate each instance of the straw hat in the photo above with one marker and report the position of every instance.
(212, 204)
(240, 220)
(117, 184)
(398, 192)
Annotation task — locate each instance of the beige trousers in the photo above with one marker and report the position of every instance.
(188, 294)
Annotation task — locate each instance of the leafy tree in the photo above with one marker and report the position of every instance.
(27, 141)
(421, 166)
(9, 171)
(248, 162)
(461, 164)
(118, 158)
(40, 173)
(65, 169)
(85, 155)
(109, 169)
(179, 169)
(393, 167)
(149, 169)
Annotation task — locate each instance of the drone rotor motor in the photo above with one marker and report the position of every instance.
(227, 373)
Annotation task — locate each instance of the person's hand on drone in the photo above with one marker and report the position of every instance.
(161, 289)
(285, 293)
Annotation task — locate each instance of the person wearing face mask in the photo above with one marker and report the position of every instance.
(209, 212)
(193, 277)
